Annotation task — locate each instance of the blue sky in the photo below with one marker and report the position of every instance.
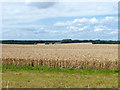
(59, 20)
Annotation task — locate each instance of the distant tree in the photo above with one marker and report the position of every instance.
(66, 41)
(53, 42)
(46, 43)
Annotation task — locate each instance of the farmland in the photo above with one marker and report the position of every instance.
(63, 55)
(61, 51)
(78, 56)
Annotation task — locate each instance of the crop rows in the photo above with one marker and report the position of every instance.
(76, 64)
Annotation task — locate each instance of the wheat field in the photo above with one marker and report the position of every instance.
(76, 56)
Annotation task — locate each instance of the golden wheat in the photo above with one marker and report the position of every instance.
(75, 56)
(112, 65)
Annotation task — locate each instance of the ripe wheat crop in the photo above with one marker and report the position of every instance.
(77, 56)
(96, 65)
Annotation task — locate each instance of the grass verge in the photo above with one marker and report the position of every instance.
(23, 76)
(23, 67)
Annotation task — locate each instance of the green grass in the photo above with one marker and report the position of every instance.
(23, 76)
(23, 79)
(23, 67)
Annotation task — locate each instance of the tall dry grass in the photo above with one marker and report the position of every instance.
(76, 64)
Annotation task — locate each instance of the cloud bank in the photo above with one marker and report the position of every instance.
(58, 20)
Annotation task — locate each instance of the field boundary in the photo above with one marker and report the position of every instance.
(76, 64)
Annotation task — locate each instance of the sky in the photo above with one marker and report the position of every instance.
(59, 20)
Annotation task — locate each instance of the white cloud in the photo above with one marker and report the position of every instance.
(81, 21)
(75, 22)
(73, 28)
(55, 31)
(100, 28)
(20, 12)
(85, 28)
(93, 21)
(108, 20)
(18, 17)
(62, 24)
(86, 21)
(113, 32)
(106, 30)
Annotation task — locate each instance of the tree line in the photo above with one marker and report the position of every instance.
(58, 41)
